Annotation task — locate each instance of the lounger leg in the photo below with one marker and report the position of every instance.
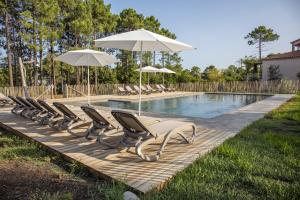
(89, 131)
(46, 119)
(102, 134)
(52, 122)
(141, 144)
(70, 126)
(187, 139)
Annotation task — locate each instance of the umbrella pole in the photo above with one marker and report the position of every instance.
(140, 91)
(148, 78)
(88, 80)
(163, 78)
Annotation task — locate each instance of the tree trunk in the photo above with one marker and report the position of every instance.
(35, 53)
(8, 50)
(78, 69)
(23, 78)
(259, 48)
(96, 76)
(41, 57)
(52, 66)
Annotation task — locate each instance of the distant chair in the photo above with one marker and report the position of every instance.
(168, 89)
(130, 90)
(159, 88)
(122, 91)
(151, 89)
(147, 91)
(137, 89)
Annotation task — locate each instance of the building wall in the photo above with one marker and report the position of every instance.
(288, 68)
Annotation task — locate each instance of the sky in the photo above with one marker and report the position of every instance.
(217, 27)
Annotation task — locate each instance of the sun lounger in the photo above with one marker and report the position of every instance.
(130, 90)
(151, 89)
(70, 120)
(41, 112)
(138, 134)
(137, 89)
(122, 91)
(4, 100)
(51, 116)
(145, 90)
(19, 106)
(167, 89)
(102, 123)
(159, 88)
(29, 111)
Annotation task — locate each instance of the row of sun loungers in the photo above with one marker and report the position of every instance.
(138, 132)
(4, 101)
(127, 90)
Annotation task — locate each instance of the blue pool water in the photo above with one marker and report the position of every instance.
(202, 105)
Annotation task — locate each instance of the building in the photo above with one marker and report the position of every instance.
(288, 63)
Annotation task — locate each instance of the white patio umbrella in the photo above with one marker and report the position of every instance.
(166, 71)
(86, 57)
(149, 69)
(142, 40)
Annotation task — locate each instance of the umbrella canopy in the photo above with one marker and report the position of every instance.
(166, 70)
(86, 57)
(149, 69)
(142, 40)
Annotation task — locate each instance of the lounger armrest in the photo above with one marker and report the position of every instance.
(78, 125)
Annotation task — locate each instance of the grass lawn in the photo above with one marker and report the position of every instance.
(29, 172)
(261, 162)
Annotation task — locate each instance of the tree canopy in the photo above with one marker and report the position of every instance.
(261, 35)
(39, 30)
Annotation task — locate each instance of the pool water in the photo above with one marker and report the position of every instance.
(202, 105)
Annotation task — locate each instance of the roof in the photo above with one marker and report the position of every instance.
(288, 55)
(296, 42)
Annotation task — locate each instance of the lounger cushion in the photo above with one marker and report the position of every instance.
(164, 127)
(99, 116)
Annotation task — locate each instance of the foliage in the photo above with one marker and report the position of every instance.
(261, 35)
(39, 30)
(252, 70)
(274, 72)
(211, 73)
(233, 73)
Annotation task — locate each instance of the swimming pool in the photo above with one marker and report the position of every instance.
(201, 105)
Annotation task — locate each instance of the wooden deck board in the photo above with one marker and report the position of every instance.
(128, 167)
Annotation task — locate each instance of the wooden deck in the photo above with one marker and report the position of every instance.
(127, 167)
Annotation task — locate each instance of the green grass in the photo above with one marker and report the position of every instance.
(261, 162)
(22, 151)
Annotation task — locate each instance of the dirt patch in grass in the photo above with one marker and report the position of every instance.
(25, 180)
